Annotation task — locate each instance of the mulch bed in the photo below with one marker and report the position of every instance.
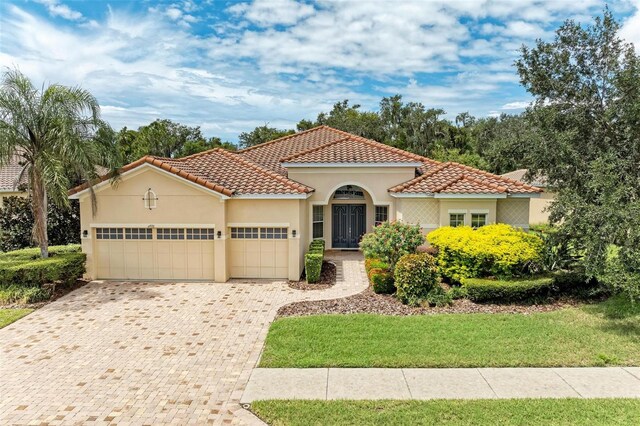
(327, 279)
(60, 291)
(369, 302)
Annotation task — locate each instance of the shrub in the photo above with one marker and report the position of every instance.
(415, 275)
(438, 296)
(62, 267)
(622, 272)
(518, 290)
(373, 263)
(16, 222)
(458, 292)
(313, 266)
(382, 281)
(23, 295)
(578, 284)
(493, 250)
(389, 241)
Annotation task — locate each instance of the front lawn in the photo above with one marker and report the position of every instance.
(7, 316)
(451, 412)
(607, 333)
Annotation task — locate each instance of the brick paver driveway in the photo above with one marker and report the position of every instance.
(146, 353)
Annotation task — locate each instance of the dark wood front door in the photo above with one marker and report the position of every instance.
(349, 225)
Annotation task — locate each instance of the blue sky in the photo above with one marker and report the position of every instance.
(230, 66)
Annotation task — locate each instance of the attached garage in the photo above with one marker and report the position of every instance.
(259, 252)
(129, 253)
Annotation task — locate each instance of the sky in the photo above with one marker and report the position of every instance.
(231, 66)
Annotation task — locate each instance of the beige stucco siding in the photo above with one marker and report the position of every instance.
(420, 211)
(278, 213)
(538, 208)
(178, 204)
(375, 181)
(514, 211)
(467, 206)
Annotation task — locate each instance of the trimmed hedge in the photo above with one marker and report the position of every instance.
(382, 281)
(23, 295)
(415, 276)
(313, 261)
(518, 290)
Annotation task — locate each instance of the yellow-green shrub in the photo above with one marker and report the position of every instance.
(493, 250)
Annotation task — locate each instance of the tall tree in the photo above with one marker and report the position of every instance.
(52, 131)
(260, 135)
(586, 84)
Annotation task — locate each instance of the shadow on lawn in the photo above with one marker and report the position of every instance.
(621, 316)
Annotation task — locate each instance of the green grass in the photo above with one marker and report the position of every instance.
(607, 333)
(545, 412)
(7, 316)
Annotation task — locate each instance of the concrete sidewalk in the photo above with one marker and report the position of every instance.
(442, 383)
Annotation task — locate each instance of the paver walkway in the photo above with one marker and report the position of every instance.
(146, 353)
(442, 383)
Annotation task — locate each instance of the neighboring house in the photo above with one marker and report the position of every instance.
(12, 181)
(538, 207)
(251, 214)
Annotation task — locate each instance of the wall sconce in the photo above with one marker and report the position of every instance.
(85, 234)
(219, 234)
(293, 233)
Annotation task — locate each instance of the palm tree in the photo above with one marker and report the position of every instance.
(52, 131)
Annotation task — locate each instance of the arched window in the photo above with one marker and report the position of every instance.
(349, 192)
(150, 199)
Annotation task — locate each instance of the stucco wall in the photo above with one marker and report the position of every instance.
(178, 204)
(467, 206)
(421, 211)
(374, 181)
(538, 208)
(514, 211)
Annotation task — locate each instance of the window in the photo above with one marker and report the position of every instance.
(170, 234)
(150, 199)
(318, 221)
(478, 219)
(138, 233)
(200, 233)
(349, 192)
(382, 215)
(456, 219)
(244, 233)
(273, 233)
(109, 234)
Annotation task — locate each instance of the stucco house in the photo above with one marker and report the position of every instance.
(251, 214)
(13, 181)
(538, 206)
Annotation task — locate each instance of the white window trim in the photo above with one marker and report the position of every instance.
(479, 211)
(457, 211)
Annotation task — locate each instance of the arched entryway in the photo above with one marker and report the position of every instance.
(348, 217)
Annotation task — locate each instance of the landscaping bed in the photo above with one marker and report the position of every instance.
(533, 412)
(327, 279)
(368, 302)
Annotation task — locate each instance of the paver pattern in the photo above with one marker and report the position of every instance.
(147, 353)
(442, 383)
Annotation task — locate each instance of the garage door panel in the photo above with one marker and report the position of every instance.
(155, 259)
(263, 257)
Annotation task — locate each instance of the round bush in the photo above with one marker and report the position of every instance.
(382, 282)
(415, 275)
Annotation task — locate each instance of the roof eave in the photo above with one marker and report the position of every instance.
(356, 164)
(470, 195)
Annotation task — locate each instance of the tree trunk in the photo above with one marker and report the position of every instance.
(39, 205)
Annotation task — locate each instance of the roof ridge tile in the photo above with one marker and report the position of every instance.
(314, 149)
(281, 138)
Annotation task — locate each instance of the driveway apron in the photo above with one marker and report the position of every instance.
(147, 353)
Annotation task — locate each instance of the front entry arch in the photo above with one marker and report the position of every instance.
(349, 224)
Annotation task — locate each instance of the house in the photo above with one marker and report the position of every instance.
(538, 207)
(251, 214)
(13, 181)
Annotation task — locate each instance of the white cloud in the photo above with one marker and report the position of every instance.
(56, 8)
(516, 105)
(273, 12)
(631, 29)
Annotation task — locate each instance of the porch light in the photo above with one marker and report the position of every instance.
(219, 234)
(293, 233)
(85, 234)
(150, 199)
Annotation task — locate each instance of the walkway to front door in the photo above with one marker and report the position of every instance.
(349, 225)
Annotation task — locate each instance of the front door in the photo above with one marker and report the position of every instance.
(349, 225)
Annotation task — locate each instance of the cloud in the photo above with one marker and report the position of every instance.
(516, 105)
(273, 12)
(56, 8)
(631, 28)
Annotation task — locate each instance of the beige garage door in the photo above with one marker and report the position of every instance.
(155, 253)
(258, 252)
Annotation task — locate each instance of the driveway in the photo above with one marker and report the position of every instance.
(147, 353)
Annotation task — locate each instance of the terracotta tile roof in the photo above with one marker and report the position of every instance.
(454, 178)
(351, 149)
(10, 178)
(221, 171)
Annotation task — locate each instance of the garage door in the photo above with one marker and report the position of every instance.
(258, 252)
(155, 253)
